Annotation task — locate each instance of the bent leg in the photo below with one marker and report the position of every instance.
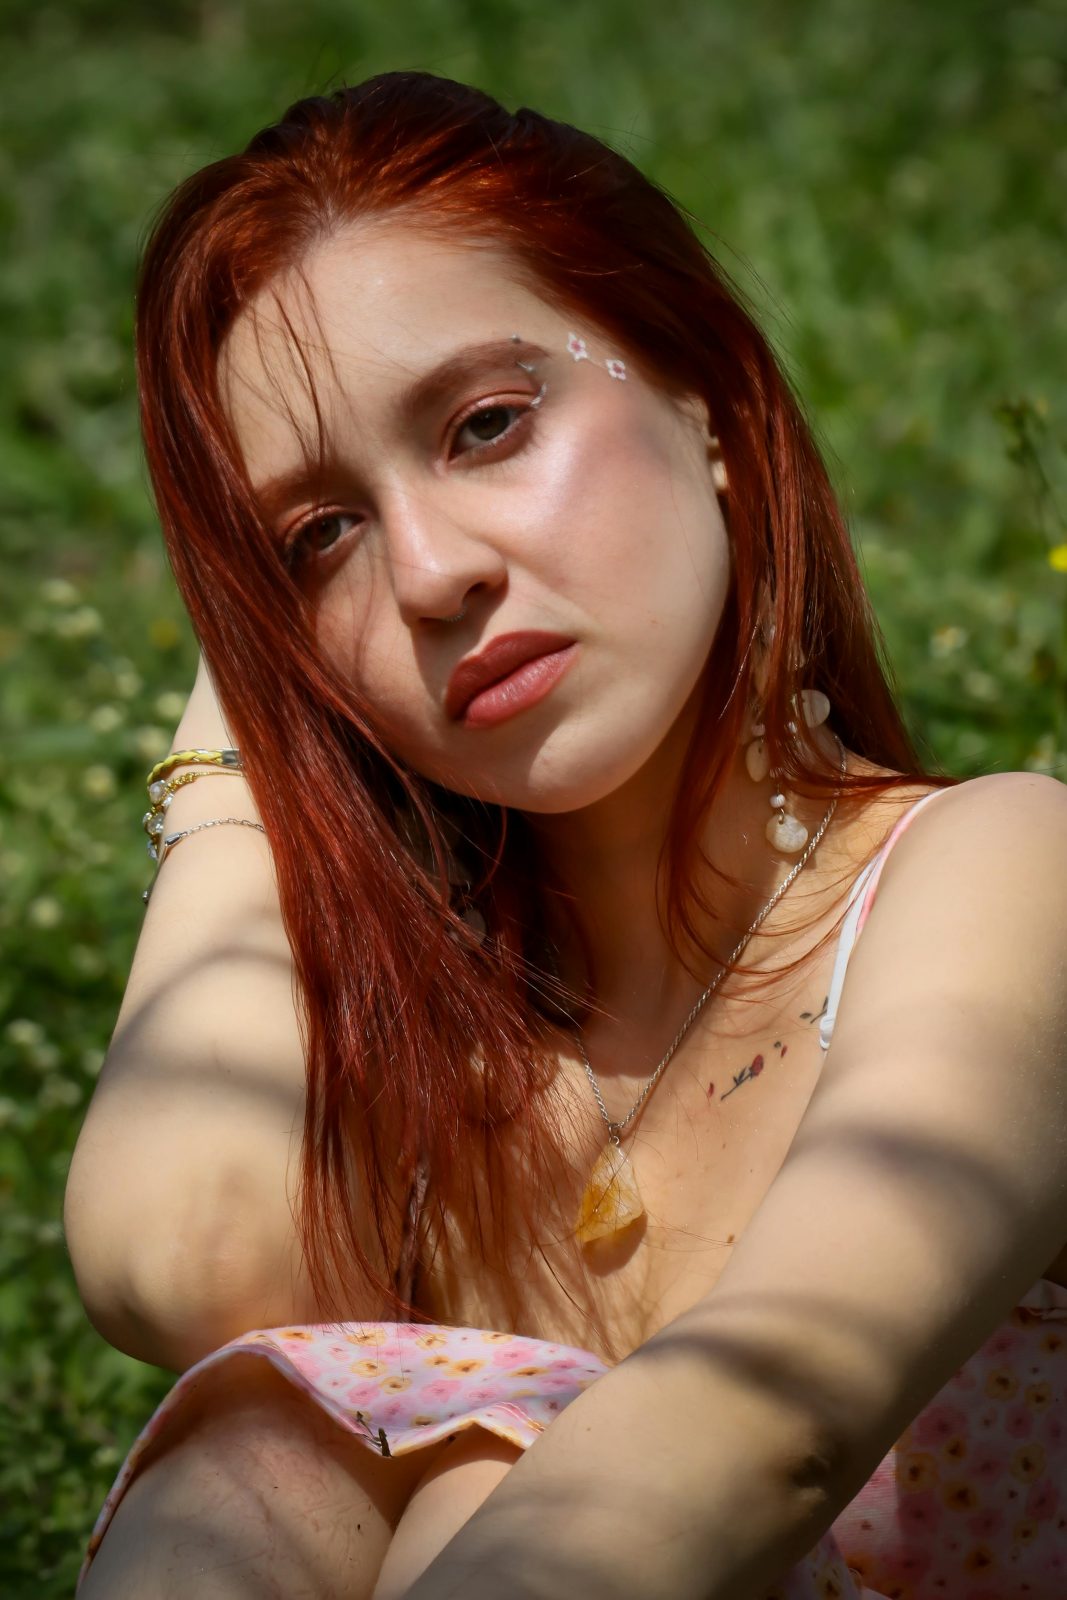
(449, 1492)
(254, 1492)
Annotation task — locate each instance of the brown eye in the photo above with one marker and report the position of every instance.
(491, 425)
(313, 537)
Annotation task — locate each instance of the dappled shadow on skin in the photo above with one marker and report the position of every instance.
(854, 1376)
(814, 1351)
(127, 1058)
(253, 1490)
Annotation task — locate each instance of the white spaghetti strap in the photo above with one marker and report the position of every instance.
(857, 899)
(844, 949)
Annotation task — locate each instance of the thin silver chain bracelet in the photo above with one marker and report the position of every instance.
(171, 839)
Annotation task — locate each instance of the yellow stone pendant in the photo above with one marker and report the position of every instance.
(612, 1199)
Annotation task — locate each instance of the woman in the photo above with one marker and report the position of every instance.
(540, 665)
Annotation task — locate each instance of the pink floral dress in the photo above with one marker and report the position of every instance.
(969, 1504)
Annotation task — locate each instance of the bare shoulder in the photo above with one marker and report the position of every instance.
(925, 1189)
(972, 902)
(982, 847)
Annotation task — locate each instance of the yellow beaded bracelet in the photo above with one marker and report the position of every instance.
(161, 792)
(177, 758)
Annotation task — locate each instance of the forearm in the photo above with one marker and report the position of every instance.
(204, 1075)
(683, 1474)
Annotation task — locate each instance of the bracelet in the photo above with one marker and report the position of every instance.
(162, 792)
(171, 839)
(217, 758)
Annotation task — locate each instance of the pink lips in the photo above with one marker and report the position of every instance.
(519, 667)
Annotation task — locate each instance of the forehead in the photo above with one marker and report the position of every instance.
(365, 311)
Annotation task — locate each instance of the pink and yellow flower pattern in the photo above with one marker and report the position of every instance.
(970, 1504)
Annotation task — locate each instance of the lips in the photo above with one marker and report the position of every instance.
(498, 660)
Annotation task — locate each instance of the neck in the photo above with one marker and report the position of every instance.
(609, 857)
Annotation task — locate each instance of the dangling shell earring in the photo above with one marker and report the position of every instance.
(784, 832)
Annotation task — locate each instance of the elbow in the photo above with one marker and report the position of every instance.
(147, 1292)
(124, 1298)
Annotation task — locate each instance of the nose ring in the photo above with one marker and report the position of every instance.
(458, 616)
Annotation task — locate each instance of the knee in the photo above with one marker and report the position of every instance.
(245, 1424)
(249, 1466)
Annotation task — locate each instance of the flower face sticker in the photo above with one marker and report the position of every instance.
(578, 349)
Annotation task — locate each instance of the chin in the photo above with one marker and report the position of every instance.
(570, 772)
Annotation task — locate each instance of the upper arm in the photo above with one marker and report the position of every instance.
(926, 1187)
(179, 1210)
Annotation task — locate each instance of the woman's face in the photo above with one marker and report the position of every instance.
(536, 490)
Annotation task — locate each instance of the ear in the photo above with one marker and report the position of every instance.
(695, 409)
(718, 465)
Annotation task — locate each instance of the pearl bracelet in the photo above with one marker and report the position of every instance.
(161, 793)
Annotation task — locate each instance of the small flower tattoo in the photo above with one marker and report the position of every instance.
(753, 1070)
(616, 368)
(577, 347)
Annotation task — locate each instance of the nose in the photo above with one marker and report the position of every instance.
(437, 560)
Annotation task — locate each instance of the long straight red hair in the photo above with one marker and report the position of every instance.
(421, 1044)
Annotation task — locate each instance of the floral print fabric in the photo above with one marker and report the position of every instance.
(970, 1504)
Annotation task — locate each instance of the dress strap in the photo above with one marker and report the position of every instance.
(860, 899)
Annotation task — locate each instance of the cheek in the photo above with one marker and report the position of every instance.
(631, 525)
(357, 627)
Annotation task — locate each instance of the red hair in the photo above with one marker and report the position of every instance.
(418, 1041)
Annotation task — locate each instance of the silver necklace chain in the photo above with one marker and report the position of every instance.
(616, 1128)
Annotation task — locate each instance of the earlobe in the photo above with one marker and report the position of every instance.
(718, 466)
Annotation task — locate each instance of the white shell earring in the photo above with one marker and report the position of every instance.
(784, 832)
(718, 466)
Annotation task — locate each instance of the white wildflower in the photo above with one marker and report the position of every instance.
(946, 641)
(58, 592)
(57, 1092)
(106, 718)
(80, 624)
(151, 744)
(24, 1031)
(98, 782)
(44, 912)
(170, 705)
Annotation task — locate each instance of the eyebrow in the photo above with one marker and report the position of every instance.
(471, 362)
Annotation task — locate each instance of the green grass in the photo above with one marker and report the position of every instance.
(885, 182)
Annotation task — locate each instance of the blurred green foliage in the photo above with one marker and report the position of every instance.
(885, 182)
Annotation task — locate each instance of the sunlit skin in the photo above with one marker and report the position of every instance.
(594, 512)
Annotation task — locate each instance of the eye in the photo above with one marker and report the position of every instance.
(490, 426)
(301, 543)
